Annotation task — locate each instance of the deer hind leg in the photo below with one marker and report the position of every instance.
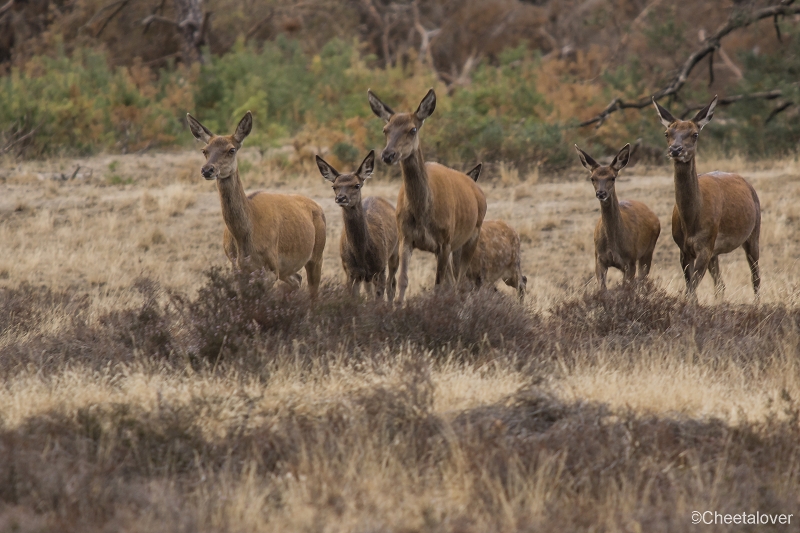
(405, 257)
(379, 284)
(644, 264)
(314, 274)
(394, 261)
(752, 253)
(716, 275)
(630, 272)
(465, 257)
(444, 265)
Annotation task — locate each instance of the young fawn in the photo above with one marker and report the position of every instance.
(714, 213)
(368, 245)
(627, 231)
(498, 253)
(280, 233)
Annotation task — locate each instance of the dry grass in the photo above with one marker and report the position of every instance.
(143, 392)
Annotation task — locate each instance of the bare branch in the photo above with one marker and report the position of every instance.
(783, 106)
(158, 18)
(6, 7)
(710, 44)
(18, 140)
(120, 7)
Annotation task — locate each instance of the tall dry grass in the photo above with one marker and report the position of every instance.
(146, 388)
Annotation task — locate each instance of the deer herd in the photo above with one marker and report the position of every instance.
(441, 210)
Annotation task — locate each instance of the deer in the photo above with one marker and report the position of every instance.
(439, 210)
(498, 253)
(627, 231)
(277, 233)
(715, 213)
(368, 245)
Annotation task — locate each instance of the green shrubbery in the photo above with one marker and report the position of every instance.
(77, 104)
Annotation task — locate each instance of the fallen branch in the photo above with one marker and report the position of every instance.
(6, 7)
(709, 46)
(18, 140)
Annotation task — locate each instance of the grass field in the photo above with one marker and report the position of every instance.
(143, 392)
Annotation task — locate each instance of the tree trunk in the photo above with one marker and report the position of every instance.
(191, 26)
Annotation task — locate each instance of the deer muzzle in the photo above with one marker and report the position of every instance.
(601, 195)
(389, 156)
(209, 171)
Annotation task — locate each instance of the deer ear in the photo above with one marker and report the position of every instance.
(380, 109)
(426, 106)
(663, 115)
(475, 173)
(586, 159)
(622, 158)
(703, 116)
(327, 171)
(244, 128)
(200, 132)
(367, 166)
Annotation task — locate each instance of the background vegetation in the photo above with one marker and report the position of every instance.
(73, 88)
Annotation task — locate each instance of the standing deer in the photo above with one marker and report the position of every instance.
(627, 231)
(368, 245)
(714, 213)
(439, 210)
(281, 233)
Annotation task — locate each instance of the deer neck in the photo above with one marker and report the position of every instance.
(687, 193)
(417, 188)
(236, 211)
(355, 227)
(612, 216)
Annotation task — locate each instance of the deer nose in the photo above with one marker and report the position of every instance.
(208, 171)
(601, 195)
(388, 156)
(675, 151)
(341, 199)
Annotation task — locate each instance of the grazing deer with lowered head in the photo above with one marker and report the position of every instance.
(368, 245)
(498, 254)
(280, 233)
(714, 213)
(439, 210)
(627, 230)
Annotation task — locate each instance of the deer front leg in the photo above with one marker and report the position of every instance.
(600, 271)
(630, 272)
(687, 267)
(700, 267)
(405, 257)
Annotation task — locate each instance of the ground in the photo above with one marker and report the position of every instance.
(121, 218)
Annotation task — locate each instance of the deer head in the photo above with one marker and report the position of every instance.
(603, 178)
(401, 129)
(682, 135)
(220, 150)
(347, 187)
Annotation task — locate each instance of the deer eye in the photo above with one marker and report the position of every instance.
(666, 134)
(358, 187)
(232, 151)
(412, 131)
(695, 135)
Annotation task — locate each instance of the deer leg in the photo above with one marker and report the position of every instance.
(700, 267)
(630, 272)
(353, 287)
(443, 264)
(716, 275)
(752, 252)
(294, 281)
(313, 276)
(405, 256)
(600, 271)
(686, 266)
(644, 265)
(379, 284)
(465, 256)
(394, 260)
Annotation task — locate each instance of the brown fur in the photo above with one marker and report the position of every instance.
(627, 231)
(368, 246)
(714, 213)
(439, 210)
(497, 257)
(280, 233)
